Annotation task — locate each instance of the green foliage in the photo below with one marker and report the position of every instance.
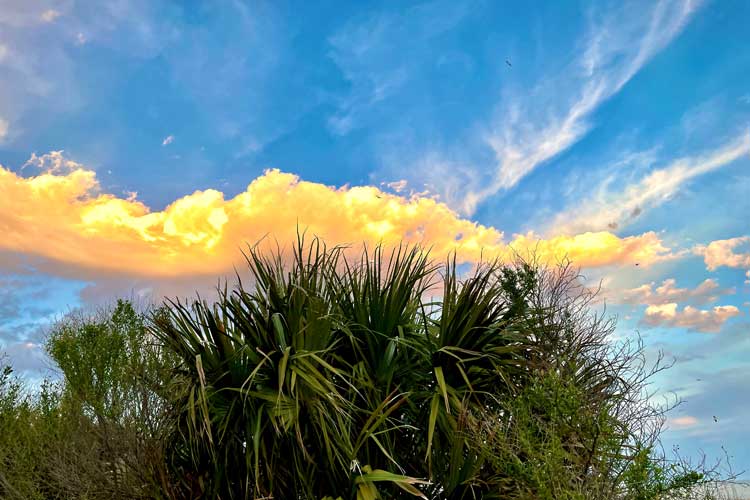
(98, 432)
(326, 377)
(98, 358)
(647, 478)
(326, 373)
(292, 386)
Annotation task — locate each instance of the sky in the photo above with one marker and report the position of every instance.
(144, 142)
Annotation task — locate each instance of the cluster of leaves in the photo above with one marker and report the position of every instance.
(324, 377)
(333, 378)
(97, 432)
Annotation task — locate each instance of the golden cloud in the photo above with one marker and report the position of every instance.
(62, 215)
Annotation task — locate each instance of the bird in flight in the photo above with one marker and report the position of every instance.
(508, 63)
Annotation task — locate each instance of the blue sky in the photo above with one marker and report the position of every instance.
(618, 131)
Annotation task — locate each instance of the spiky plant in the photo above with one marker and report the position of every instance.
(287, 383)
(330, 377)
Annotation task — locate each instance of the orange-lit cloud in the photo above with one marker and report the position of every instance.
(683, 422)
(708, 321)
(62, 215)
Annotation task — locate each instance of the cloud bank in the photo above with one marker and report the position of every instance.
(61, 216)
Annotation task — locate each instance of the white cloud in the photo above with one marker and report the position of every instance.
(53, 162)
(613, 210)
(668, 292)
(41, 69)
(50, 15)
(3, 128)
(398, 186)
(167, 140)
(25, 13)
(691, 318)
(720, 253)
(537, 124)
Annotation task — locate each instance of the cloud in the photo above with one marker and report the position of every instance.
(372, 57)
(25, 357)
(684, 422)
(617, 209)
(398, 186)
(3, 128)
(720, 253)
(706, 292)
(62, 216)
(22, 300)
(50, 15)
(41, 63)
(537, 124)
(25, 13)
(691, 318)
(167, 140)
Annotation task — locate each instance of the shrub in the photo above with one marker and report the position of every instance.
(97, 433)
(326, 377)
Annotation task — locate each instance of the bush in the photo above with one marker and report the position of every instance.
(338, 379)
(324, 377)
(98, 433)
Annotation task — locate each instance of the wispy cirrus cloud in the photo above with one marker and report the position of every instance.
(3, 128)
(39, 67)
(61, 215)
(535, 125)
(372, 57)
(616, 208)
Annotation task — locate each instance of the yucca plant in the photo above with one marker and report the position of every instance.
(289, 386)
(324, 376)
(336, 377)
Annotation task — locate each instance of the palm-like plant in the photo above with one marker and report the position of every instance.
(289, 387)
(329, 377)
